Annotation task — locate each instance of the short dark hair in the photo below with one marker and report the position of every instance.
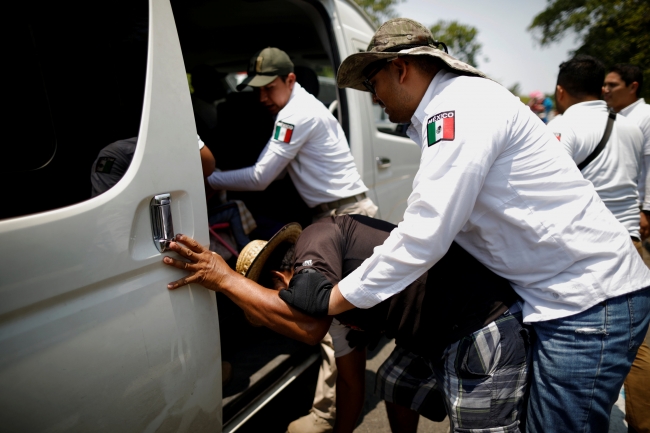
(582, 76)
(629, 74)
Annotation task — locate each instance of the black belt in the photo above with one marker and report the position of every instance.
(324, 207)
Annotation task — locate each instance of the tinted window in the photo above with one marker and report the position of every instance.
(77, 85)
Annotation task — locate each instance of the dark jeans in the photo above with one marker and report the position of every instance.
(581, 361)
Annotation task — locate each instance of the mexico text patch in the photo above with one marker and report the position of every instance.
(441, 126)
(283, 132)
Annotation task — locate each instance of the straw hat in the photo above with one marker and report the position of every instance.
(254, 255)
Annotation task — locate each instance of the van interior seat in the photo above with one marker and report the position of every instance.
(308, 79)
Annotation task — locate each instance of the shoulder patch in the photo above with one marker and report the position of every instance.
(283, 132)
(441, 126)
(104, 165)
(558, 136)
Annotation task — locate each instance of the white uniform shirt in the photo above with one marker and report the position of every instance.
(495, 180)
(639, 112)
(615, 173)
(310, 143)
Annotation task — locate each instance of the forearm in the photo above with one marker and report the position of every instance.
(350, 390)
(254, 178)
(445, 191)
(264, 307)
(207, 161)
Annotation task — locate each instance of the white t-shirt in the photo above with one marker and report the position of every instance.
(639, 112)
(310, 143)
(615, 173)
(493, 178)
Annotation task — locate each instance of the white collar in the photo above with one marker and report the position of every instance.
(627, 110)
(587, 104)
(420, 114)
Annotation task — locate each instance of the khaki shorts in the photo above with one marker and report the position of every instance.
(364, 207)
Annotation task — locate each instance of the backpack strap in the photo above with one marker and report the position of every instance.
(603, 141)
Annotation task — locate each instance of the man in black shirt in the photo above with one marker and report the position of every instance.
(458, 328)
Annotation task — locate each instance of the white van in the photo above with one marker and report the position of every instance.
(90, 338)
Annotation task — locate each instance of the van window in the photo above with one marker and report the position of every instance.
(77, 85)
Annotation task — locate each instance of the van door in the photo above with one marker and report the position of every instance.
(391, 157)
(90, 338)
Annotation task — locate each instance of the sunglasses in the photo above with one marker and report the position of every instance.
(366, 83)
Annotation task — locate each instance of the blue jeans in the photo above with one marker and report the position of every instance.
(580, 363)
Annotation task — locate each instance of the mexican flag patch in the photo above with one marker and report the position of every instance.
(283, 132)
(440, 127)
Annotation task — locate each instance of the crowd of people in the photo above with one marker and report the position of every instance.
(514, 286)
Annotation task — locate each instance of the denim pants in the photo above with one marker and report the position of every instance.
(580, 363)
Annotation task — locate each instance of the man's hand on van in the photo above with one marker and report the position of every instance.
(207, 268)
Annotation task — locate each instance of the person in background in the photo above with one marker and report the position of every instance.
(536, 104)
(615, 171)
(622, 90)
(114, 159)
(548, 106)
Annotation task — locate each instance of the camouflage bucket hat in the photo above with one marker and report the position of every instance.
(395, 38)
(265, 66)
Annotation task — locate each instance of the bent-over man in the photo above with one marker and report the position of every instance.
(458, 327)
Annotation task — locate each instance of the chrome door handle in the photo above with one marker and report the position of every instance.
(383, 162)
(162, 227)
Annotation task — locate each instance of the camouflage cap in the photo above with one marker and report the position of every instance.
(395, 38)
(265, 66)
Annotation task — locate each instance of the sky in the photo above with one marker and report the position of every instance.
(513, 55)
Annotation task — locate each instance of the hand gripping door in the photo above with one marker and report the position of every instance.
(162, 227)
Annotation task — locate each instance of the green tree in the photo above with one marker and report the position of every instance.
(379, 10)
(461, 39)
(614, 31)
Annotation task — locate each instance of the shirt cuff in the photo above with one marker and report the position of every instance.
(213, 180)
(352, 290)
